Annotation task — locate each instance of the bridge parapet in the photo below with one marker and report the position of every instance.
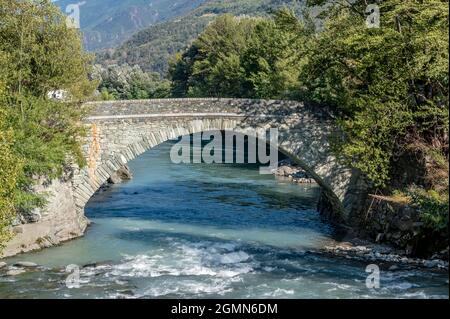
(242, 107)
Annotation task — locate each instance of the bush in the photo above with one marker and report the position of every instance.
(433, 207)
(10, 169)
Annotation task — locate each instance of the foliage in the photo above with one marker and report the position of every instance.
(127, 83)
(434, 207)
(389, 85)
(44, 54)
(242, 57)
(10, 168)
(38, 136)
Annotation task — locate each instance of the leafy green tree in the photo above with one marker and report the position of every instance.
(45, 54)
(39, 137)
(389, 85)
(128, 83)
(274, 56)
(216, 68)
(9, 171)
(242, 57)
(10, 168)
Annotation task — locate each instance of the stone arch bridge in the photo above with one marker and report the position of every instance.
(119, 131)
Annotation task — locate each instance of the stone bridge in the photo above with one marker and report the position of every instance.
(119, 131)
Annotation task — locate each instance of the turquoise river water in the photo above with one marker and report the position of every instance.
(207, 231)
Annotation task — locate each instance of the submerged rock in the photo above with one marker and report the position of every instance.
(25, 264)
(3, 264)
(15, 272)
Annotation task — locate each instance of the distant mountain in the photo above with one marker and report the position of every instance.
(152, 47)
(107, 23)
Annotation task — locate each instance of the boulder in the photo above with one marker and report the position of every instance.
(32, 216)
(121, 175)
(292, 172)
(15, 272)
(285, 171)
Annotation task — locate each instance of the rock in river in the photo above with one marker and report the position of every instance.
(15, 272)
(25, 264)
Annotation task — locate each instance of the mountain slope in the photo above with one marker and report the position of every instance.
(151, 48)
(107, 23)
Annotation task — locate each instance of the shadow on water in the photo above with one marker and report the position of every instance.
(231, 208)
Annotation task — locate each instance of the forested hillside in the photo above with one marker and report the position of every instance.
(107, 23)
(152, 48)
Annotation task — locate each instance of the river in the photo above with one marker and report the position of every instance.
(207, 231)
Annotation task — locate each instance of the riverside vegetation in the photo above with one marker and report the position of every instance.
(38, 136)
(387, 88)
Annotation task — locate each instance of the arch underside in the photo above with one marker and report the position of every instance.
(113, 143)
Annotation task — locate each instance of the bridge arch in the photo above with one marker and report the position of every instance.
(120, 131)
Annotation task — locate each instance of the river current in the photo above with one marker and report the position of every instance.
(206, 231)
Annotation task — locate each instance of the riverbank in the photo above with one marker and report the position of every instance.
(366, 251)
(59, 222)
(384, 230)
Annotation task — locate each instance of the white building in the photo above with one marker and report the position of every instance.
(57, 95)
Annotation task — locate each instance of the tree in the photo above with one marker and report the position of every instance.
(38, 136)
(212, 66)
(242, 57)
(388, 85)
(45, 54)
(128, 83)
(10, 169)
(274, 56)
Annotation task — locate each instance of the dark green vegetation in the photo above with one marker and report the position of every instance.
(152, 48)
(107, 23)
(387, 86)
(38, 136)
(129, 83)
